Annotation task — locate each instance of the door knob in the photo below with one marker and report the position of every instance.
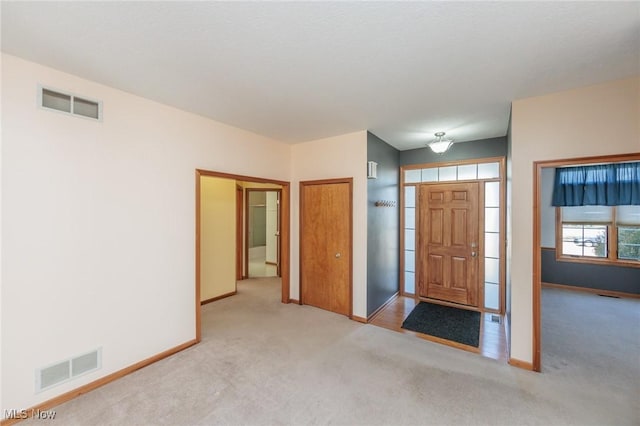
(338, 255)
(474, 254)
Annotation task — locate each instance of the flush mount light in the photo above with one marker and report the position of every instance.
(440, 145)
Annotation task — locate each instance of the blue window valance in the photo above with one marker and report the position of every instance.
(616, 184)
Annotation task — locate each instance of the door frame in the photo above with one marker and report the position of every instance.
(239, 233)
(246, 227)
(503, 223)
(284, 235)
(537, 236)
(303, 184)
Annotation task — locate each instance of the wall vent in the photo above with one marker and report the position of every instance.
(69, 103)
(68, 369)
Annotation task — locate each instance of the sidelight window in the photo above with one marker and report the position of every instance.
(491, 247)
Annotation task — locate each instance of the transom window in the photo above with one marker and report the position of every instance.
(453, 173)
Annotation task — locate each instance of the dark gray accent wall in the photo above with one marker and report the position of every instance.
(383, 224)
(508, 187)
(601, 277)
(483, 148)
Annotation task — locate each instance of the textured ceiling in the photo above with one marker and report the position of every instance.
(301, 71)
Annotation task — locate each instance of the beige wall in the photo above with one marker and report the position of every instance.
(100, 220)
(596, 120)
(2, 406)
(337, 157)
(217, 237)
(117, 238)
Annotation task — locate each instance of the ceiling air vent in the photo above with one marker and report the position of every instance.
(68, 103)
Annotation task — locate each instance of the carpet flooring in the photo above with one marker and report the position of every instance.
(592, 342)
(262, 362)
(446, 322)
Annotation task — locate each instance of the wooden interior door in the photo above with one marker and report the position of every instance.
(239, 238)
(278, 240)
(325, 245)
(272, 254)
(448, 242)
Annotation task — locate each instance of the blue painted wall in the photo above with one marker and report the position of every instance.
(601, 277)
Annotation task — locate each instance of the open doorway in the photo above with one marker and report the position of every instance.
(218, 229)
(586, 258)
(262, 242)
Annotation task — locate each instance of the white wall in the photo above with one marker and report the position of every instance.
(596, 120)
(547, 211)
(217, 237)
(337, 157)
(98, 221)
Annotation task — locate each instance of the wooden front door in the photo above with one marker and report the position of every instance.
(325, 244)
(448, 242)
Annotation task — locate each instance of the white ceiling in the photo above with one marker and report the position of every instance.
(301, 71)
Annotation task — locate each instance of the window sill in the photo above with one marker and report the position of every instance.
(599, 261)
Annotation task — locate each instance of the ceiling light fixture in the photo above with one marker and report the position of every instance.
(439, 145)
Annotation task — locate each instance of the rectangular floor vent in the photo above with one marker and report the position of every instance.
(495, 318)
(68, 369)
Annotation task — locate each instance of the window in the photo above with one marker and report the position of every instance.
(628, 232)
(584, 240)
(599, 233)
(598, 212)
(629, 242)
(453, 173)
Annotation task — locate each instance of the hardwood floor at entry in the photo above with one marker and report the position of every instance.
(493, 341)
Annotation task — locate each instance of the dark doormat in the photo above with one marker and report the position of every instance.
(446, 322)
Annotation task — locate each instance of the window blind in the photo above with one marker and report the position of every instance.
(628, 215)
(587, 214)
